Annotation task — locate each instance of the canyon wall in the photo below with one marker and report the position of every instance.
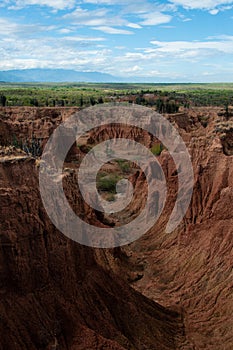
(164, 291)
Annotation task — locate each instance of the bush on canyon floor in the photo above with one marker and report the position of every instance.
(124, 165)
(107, 183)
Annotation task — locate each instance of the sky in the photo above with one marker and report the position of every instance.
(176, 40)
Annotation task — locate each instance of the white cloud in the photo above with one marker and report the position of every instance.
(111, 30)
(56, 4)
(201, 4)
(83, 38)
(146, 14)
(135, 6)
(110, 2)
(65, 31)
(214, 12)
(222, 37)
(180, 47)
(98, 17)
(134, 69)
(178, 59)
(186, 19)
(61, 53)
(23, 46)
(134, 25)
(83, 14)
(8, 28)
(154, 18)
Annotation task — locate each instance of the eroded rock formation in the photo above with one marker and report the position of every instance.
(57, 294)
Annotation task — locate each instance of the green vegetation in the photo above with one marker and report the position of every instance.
(124, 165)
(165, 98)
(107, 183)
(157, 149)
(54, 96)
(32, 146)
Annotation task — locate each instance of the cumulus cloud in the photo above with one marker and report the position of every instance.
(62, 53)
(30, 46)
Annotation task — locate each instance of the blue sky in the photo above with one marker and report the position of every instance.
(176, 40)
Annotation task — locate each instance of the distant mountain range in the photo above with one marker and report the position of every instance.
(40, 75)
(55, 75)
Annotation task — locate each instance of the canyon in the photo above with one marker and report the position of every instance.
(163, 291)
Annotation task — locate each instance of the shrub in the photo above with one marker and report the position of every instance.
(157, 149)
(32, 147)
(108, 183)
(124, 165)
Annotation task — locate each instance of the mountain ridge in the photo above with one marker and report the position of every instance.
(53, 75)
(49, 75)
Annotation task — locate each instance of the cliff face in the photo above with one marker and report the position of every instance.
(55, 293)
(23, 122)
